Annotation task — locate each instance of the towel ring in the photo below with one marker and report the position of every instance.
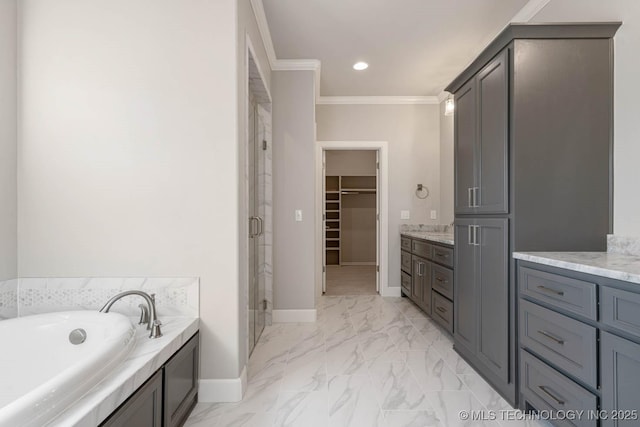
(422, 192)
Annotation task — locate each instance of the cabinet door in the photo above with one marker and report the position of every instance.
(426, 287)
(181, 383)
(142, 409)
(620, 376)
(464, 289)
(493, 295)
(492, 146)
(465, 128)
(417, 279)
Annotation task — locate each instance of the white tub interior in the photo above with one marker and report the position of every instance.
(44, 372)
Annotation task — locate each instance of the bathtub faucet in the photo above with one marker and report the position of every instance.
(153, 323)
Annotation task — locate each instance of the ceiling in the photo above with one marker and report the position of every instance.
(413, 47)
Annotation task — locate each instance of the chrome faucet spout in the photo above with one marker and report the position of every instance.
(154, 323)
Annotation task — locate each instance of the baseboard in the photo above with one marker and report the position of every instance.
(226, 390)
(392, 292)
(293, 316)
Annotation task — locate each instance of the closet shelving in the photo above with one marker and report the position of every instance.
(337, 187)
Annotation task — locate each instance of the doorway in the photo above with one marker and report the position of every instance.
(351, 188)
(351, 222)
(259, 202)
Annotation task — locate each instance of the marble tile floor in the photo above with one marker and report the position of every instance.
(351, 280)
(368, 361)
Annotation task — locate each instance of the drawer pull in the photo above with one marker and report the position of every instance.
(551, 337)
(441, 281)
(442, 255)
(441, 309)
(549, 290)
(551, 395)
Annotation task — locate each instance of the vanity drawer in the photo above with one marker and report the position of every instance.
(564, 342)
(420, 248)
(442, 311)
(544, 388)
(573, 295)
(442, 280)
(442, 255)
(406, 283)
(405, 244)
(405, 262)
(620, 309)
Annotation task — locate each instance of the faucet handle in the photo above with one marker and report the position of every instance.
(155, 329)
(144, 315)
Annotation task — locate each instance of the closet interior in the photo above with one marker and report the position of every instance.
(350, 214)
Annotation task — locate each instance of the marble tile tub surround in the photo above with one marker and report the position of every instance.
(174, 296)
(623, 245)
(368, 361)
(8, 299)
(147, 356)
(606, 264)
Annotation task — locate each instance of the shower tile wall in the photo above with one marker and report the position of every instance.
(8, 299)
(265, 206)
(174, 296)
(262, 98)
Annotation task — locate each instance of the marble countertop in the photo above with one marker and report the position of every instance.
(606, 264)
(446, 238)
(146, 358)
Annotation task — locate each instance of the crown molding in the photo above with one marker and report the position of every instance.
(263, 28)
(443, 95)
(529, 10)
(377, 100)
(296, 65)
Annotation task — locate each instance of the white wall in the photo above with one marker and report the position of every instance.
(247, 32)
(626, 94)
(293, 188)
(8, 184)
(446, 167)
(128, 155)
(412, 132)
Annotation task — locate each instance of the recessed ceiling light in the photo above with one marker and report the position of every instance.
(359, 66)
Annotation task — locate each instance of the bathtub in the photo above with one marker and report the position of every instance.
(42, 372)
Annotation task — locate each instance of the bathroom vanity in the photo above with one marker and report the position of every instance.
(427, 273)
(579, 335)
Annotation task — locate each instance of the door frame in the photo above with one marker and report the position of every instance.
(382, 148)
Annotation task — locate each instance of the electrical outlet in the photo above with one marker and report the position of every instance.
(405, 214)
(434, 214)
(298, 215)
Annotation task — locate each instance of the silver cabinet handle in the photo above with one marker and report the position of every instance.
(476, 235)
(551, 337)
(476, 203)
(469, 196)
(470, 234)
(549, 290)
(551, 395)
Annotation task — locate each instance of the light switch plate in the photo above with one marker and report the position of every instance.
(405, 214)
(434, 214)
(298, 215)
